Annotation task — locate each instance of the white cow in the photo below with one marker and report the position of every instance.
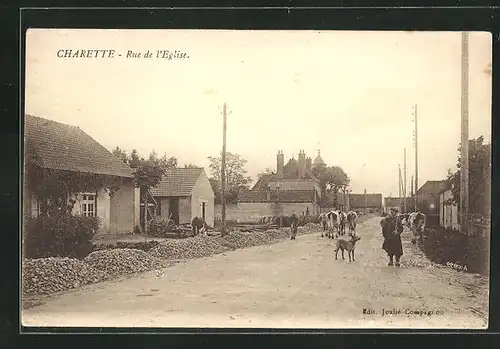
(416, 223)
(333, 223)
(323, 219)
(351, 222)
(342, 222)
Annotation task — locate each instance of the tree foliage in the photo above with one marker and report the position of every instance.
(331, 177)
(148, 171)
(266, 172)
(479, 177)
(236, 178)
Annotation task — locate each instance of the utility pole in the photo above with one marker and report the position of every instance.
(401, 189)
(404, 186)
(464, 148)
(223, 171)
(412, 187)
(399, 178)
(146, 228)
(416, 160)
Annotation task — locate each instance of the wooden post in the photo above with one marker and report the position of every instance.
(404, 185)
(416, 160)
(146, 217)
(411, 192)
(223, 171)
(464, 148)
(399, 179)
(401, 189)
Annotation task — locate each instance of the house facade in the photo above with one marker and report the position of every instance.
(185, 193)
(428, 199)
(67, 150)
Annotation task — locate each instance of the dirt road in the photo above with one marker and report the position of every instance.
(293, 284)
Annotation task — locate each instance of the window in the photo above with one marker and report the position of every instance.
(89, 205)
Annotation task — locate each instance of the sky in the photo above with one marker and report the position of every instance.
(350, 94)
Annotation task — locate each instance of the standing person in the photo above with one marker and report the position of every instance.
(294, 221)
(391, 230)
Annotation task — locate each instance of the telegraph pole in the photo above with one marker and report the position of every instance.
(223, 171)
(464, 148)
(401, 188)
(399, 178)
(416, 160)
(404, 186)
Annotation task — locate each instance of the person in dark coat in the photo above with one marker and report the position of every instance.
(391, 230)
(294, 222)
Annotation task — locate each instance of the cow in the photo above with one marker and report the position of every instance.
(333, 223)
(323, 219)
(416, 222)
(198, 225)
(351, 222)
(405, 219)
(342, 222)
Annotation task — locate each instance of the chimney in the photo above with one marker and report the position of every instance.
(302, 164)
(308, 163)
(280, 163)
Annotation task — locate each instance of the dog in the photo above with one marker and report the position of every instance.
(348, 245)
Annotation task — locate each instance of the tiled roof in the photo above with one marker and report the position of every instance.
(58, 146)
(358, 200)
(432, 187)
(290, 171)
(177, 182)
(262, 182)
(252, 196)
(285, 196)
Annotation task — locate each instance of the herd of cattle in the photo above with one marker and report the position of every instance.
(334, 223)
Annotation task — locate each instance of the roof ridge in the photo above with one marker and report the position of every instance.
(66, 142)
(50, 120)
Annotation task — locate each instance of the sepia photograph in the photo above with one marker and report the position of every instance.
(253, 179)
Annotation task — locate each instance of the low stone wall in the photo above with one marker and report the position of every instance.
(254, 211)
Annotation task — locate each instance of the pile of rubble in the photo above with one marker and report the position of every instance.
(119, 262)
(49, 275)
(240, 239)
(309, 228)
(195, 247)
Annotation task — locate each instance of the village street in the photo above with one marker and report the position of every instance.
(293, 284)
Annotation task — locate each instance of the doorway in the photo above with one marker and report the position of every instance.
(173, 209)
(203, 209)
